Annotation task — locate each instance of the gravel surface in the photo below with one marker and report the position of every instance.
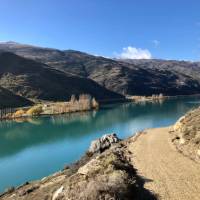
(167, 172)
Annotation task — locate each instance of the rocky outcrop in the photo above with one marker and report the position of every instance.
(103, 143)
(108, 175)
(186, 134)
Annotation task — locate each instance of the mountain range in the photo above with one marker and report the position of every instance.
(36, 73)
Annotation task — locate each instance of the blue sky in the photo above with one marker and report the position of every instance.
(125, 28)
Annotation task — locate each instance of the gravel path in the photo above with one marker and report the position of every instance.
(167, 172)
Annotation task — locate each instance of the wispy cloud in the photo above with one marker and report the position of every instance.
(156, 43)
(134, 53)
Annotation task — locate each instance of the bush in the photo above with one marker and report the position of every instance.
(95, 104)
(35, 110)
(19, 113)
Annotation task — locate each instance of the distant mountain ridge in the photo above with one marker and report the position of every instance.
(52, 74)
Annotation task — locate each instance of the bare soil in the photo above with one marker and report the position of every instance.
(167, 172)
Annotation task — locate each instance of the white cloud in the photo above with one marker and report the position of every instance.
(134, 53)
(156, 43)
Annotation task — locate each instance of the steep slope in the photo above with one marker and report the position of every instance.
(127, 77)
(182, 67)
(186, 134)
(35, 80)
(8, 99)
(153, 77)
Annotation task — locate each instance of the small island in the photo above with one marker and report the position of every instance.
(153, 98)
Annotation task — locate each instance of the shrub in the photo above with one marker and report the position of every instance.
(19, 113)
(95, 104)
(35, 110)
(10, 189)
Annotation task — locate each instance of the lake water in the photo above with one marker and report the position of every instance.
(41, 146)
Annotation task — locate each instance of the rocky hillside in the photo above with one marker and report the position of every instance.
(191, 69)
(186, 134)
(8, 99)
(35, 80)
(103, 175)
(127, 77)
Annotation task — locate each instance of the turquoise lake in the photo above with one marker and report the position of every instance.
(41, 146)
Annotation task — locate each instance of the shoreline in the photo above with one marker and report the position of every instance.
(135, 154)
(85, 102)
(109, 171)
(157, 98)
(94, 105)
(139, 154)
(164, 151)
(102, 103)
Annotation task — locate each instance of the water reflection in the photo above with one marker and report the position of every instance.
(15, 136)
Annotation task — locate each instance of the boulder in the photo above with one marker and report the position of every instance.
(57, 193)
(179, 124)
(103, 143)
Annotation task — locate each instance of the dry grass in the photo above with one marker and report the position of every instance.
(104, 176)
(186, 134)
(35, 110)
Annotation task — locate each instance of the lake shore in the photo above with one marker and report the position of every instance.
(156, 165)
(157, 98)
(152, 159)
(104, 175)
(85, 102)
(82, 105)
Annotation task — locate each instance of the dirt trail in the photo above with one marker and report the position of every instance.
(167, 172)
